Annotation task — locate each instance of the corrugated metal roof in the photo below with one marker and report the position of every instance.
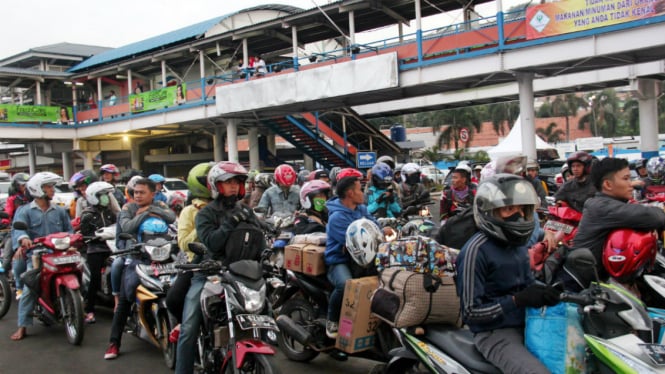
(71, 49)
(185, 33)
(19, 72)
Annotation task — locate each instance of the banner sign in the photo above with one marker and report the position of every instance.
(158, 99)
(35, 113)
(576, 15)
(5, 164)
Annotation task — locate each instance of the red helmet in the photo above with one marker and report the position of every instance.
(349, 172)
(109, 168)
(224, 171)
(628, 253)
(285, 175)
(583, 157)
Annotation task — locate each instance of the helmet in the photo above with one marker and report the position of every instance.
(303, 176)
(532, 164)
(362, 240)
(35, 183)
(628, 253)
(224, 171)
(333, 174)
(264, 180)
(197, 180)
(411, 173)
(109, 168)
(318, 174)
(583, 157)
(382, 175)
(96, 189)
(564, 168)
(641, 163)
(285, 175)
(151, 228)
(129, 188)
(512, 164)
(157, 178)
(463, 166)
(349, 172)
(504, 190)
(86, 176)
(251, 176)
(656, 168)
(176, 201)
(19, 179)
(387, 160)
(312, 188)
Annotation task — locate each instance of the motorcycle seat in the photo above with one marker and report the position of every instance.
(247, 268)
(458, 343)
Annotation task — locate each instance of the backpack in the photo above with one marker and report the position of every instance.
(245, 242)
(458, 229)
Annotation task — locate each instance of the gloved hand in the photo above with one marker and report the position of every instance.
(239, 215)
(536, 296)
(381, 198)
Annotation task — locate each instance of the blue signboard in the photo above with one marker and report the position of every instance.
(365, 160)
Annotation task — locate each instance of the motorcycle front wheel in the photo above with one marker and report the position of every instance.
(302, 313)
(5, 295)
(168, 348)
(256, 364)
(72, 315)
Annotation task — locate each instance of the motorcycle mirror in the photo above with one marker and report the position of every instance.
(20, 225)
(197, 248)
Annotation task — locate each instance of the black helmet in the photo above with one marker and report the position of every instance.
(583, 157)
(19, 179)
(499, 191)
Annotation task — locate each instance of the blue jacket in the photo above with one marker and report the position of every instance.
(274, 201)
(392, 209)
(487, 276)
(40, 223)
(339, 218)
(160, 196)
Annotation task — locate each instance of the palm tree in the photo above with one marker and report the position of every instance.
(551, 134)
(567, 106)
(631, 114)
(501, 112)
(603, 118)
(454, 121)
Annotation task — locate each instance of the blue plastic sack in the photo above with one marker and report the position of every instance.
(555, 336)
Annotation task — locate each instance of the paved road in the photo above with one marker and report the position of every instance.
(45, 350)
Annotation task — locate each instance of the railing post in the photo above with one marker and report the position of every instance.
(499, 25)
(203, 89)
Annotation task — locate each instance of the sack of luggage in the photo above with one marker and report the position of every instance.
(419, 254)
(406, 298)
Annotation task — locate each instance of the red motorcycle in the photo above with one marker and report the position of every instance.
(563, 221)
(55, 279)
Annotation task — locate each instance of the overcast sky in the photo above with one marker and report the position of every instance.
(34, 23)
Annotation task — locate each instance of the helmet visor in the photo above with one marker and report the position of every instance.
(508, 190)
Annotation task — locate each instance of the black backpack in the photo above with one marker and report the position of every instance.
(245, 242)
(458, 229)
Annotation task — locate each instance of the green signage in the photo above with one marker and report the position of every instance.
(158, 99)
(35, 113)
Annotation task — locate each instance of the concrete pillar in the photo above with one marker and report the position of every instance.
(245, 53)
(67, 165)
(218, 144)
(130, 90)
(271, 145)
(308, 162)
(38, 92)
(136, 156)
(163, 73)
(253, 141)
(202, 71)
(647, 96)
(32, 158)
(232, 138)
(88, 161)
(525, 87)
(294, 42)
(352, 28)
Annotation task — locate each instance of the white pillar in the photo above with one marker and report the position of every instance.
(418, 16)
(245, 53)
(38, 92)
(647, 95)
(130, 90)
(135, 154)
(202, 66)
(352, 28)
(100, 94)
(271, 144)
(218, 144)
(232, 138)
(88, 160)
(163, 73)
(66, 165)
(525, 86)
(32, 158)
(253, 141)
(308, 162)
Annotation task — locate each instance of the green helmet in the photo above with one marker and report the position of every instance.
(252, 174)
(197, 180)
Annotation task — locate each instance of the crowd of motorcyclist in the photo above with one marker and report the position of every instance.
(503, 195)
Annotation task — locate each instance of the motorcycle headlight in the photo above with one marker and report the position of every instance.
(254, 300)
(61, 243)
(159, 253)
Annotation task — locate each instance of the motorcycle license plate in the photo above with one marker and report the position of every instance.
(64, 260)
(559, 226)
(256, 321)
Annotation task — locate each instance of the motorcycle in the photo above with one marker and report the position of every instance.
(56, 280)
(6, 294)
(563, 221)
(104, 295)
(235, 312)
(149, 318)
(416, 219)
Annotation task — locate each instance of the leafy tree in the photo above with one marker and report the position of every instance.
(567, 106)
(501, 113)
(454, 120)
(551, 134)
(545, 110)
(603, 115)
(631, 115)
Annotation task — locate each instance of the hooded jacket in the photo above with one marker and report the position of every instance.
(339, 218)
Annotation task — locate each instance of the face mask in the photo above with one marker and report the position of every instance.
(104, 200)
(319, 204)
(516, 217)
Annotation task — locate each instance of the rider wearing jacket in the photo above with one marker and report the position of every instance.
(382, 198)
(609, 209)
(577, 190)
(97, 215)
(18, 198)
(460, 195)
(108, 173)
(410, 187)
(284, 197)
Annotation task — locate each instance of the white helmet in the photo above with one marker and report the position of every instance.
(362, 240)
(36, 182)
(464, 166)
(96, 189)
(410, 173)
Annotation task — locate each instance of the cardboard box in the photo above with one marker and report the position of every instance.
(313, 262)
(293, 257)
(356, 325)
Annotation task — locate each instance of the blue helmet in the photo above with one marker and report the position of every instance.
(152, 227)
(157, 178)
(382, 175)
